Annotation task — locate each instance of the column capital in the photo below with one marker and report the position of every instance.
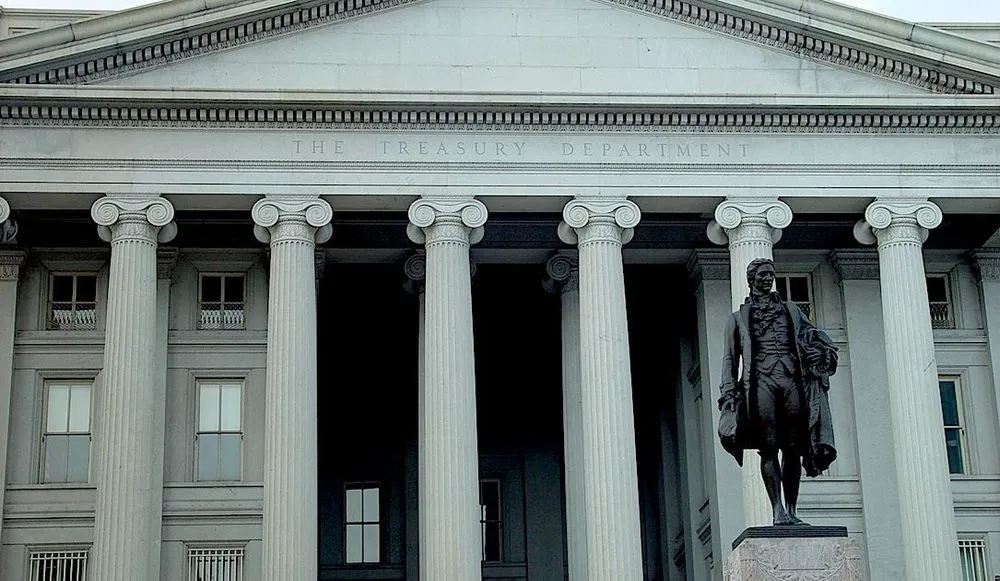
(292, 218)
(134, 217)
(166, 260)
(4, 210)
(708, 265)
(415, 268)
(8, 227)
(855, 264)
(986, 263)
(11, 262)
(441, 219)
(562, 269)
(898, 220)
(596, 219)
(736, 219)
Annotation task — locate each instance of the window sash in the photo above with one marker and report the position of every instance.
(491, 520)
(216, 564)
(69, 565)
(973, 557)
(942, 311)
(73, 314)
(783, 285)
(222, 312)
(362, 523)
(956, 444)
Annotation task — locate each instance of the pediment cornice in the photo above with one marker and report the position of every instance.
(881, 46)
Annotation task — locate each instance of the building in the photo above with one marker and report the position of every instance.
(319, 344)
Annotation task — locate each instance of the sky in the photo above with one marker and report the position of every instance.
(912, 10)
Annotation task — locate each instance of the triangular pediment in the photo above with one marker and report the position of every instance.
(470, 46)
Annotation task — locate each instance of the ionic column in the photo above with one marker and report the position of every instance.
(750, 228)
(10, 269)
(448, 457)
(563, 271)
(126, 534)
(927, 512)
(599, 228)
(292, 226)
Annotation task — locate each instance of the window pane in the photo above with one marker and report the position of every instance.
(78, 467)
(953, 440)
(62, 288)
(86, 288)
(208, 457)
(56, 458)
(209, 408)
(353, 512)
(491, 541)
(371, 547)
(798, 288)
(229, 462)
(370, 509)
(490, 500)
(353, 544)
(211, 289)
(937, 288)
(79, 409)
(949, 403)
(234, 289)
(780, 285)
(231, 409)
(57, 418)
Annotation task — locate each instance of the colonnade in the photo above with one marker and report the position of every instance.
(599, 437)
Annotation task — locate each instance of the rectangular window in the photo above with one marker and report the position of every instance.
(220, 430)
(954, 427)
(796, 289)
(362, 528)
(973, 554)
(939, 295)
(57, 565)
(491, 519)
(72, 302)
(222, 298)
(215, 564)
(66, 438)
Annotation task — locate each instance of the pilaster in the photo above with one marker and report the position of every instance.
(127, 527)
(986, 264)
(930, 542)
(447, 434)
(563, 279)
(11, 262)
(750, 227)
(291, 226)
(599, 227)
(415, 269)
(859, 281)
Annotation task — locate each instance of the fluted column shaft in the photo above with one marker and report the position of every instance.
(126, 536)
(927, 511)
(563, 270)
(749, 227)
(448, 456)
(291, 226)
(599, 227)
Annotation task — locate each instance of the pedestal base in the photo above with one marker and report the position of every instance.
(801, 553)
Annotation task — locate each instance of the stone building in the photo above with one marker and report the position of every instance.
(397, 289)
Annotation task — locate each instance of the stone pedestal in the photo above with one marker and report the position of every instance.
(795, 554)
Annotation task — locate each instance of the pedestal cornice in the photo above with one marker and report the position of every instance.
(756, 219)
(143, 218)
(587, 220)
(302, 219)
(563, 270)
(986, 264)
(897, 221)
(437, 220)
(854, 264)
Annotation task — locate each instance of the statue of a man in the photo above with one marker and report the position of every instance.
(775, 378)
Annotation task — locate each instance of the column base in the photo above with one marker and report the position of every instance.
(794, 553)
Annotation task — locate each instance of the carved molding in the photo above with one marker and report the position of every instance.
(563, 269)
(281, 218)
(855, 264)
(587, 219)
(120, 216)
(11, 262)
(166, 260)
(898, 220)
(986, 264)
(158, 51)
(749, 218)
(436, 219)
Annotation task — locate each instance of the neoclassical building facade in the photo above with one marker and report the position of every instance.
(435, 289)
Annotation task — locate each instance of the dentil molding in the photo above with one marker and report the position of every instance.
(458, 218)
(129, 215)
(580, 214)
(731, 214)
(881, 215)
(313, 212)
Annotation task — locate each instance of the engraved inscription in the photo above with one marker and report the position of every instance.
(661, 150)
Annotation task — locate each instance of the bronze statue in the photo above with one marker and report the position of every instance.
(775, 377)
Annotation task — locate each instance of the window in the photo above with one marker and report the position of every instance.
(973, 555)
(954, 429)
(939, 295)
(57, 565)
(796, 289)
(362, 531)
(73, 302)
(222, 301)
(220, 430)
(215, 564)
(491, 520)
(66, 439)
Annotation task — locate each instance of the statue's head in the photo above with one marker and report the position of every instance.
(760, 275)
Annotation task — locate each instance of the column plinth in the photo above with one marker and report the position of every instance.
(448, 456)
(292, 227)
(927, 513)
(599, 228)
(126, 536)
(750, 229)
